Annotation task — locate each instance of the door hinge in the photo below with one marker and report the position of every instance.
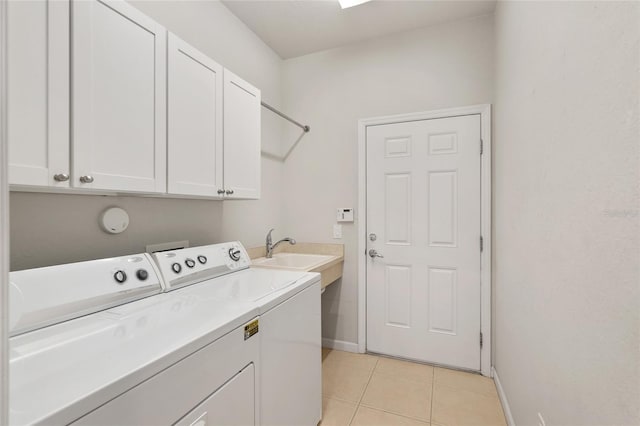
(481, 340)
(481, 146)
(481, 243)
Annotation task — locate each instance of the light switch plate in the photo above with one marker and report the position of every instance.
(337, 231)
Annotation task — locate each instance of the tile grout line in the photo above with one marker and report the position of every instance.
(363, 391)
(433, 390)
(395, 414)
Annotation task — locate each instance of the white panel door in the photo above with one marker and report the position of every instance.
(38, 95)
(119, 98)
(241, 138)
(423, 206)
(194, 98)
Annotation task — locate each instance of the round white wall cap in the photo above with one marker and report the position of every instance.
(114, 220)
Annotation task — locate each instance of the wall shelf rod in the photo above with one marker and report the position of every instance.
(286, 117)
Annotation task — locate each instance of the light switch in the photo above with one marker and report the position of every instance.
(344, 215)
(337, 231)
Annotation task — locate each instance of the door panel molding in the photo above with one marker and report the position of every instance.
(441, 144)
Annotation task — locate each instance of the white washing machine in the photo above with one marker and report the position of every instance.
(97, 343)
(161, 359)
(290, 376)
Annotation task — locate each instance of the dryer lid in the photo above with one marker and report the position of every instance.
(44, 296)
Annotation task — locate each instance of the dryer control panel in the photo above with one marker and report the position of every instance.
(188, 266)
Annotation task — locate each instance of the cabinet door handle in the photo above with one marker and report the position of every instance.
(229, 191)
(61, 177)
(220, 191)
(86, 179)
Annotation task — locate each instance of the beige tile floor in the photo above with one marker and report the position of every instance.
(367, 390)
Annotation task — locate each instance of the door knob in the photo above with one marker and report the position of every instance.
(61, 177)
(86, 179)
(374, 253)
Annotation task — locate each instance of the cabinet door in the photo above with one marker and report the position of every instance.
(194, 99)
(241, 138)
(38, 98)
(119, 98)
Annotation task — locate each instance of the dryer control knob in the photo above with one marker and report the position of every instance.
(120, 276)
(190, 263)
(176, 268)
(202, 259)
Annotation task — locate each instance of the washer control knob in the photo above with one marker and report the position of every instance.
(176, 267)
(202, 259)
(120, 276)
(234, 254)
(142, 274)
(190, 263)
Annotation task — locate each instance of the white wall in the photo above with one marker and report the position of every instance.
(47, 229)
(442, 66)
(567, 211)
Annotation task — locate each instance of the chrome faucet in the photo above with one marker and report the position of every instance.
(271, 246)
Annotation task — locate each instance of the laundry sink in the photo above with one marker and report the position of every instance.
(296, 261)
(327, 259)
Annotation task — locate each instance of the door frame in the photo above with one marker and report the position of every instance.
(4, 222)
(484, 110)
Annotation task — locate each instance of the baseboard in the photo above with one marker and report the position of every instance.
(503, 398)
(340, 345)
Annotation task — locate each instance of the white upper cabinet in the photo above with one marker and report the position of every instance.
(38, 96)
(213, 127)
(101, 98)
(118, 98)
(194, 121)
(241, 138)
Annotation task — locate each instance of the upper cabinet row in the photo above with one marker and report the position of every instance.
(102, 98)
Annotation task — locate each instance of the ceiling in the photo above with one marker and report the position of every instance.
(299, 27)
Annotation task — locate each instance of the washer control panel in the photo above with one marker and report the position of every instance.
(192, 265)
(45, 296)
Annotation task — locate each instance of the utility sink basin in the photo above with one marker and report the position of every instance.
(295, 261)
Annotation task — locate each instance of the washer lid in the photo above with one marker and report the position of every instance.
(260, 286)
